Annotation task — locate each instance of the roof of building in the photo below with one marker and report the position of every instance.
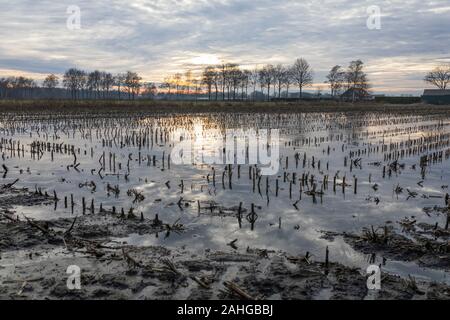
(357, 90)
(436, 92)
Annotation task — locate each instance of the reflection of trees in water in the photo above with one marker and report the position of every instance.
(293, 127)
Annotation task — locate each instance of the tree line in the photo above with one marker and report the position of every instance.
(79, 84)
(101, 84)
(226, 81)
(17, 87)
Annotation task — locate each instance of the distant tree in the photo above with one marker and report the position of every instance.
(245, 81)
(439, 77)
(20, 87)
(223, 78)
(197, 87)
(177, 80)
(93, 83)
(336, 79)
(188, 82)
(302, 74)
(234, 78)
(208, 79)
(51, 81)
(106, 83)
(82, 82)
(280, 77)
(357, 81)
(253, 81)
(4, 85)
(216, 83)
(69, 81)
(266, 78)
(229, 79)
(287, 79)
(74, 80)
(133, 84)
(32, 84)
(119, 82)
(166, 85)
(149, 90)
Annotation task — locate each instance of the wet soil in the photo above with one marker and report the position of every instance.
(424, 244)
(35, 255)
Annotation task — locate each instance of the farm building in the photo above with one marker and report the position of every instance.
(357, 94)
(436, 96)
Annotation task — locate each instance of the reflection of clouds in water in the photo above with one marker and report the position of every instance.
(337, 212)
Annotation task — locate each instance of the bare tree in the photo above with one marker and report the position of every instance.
(336, 79)
(216, 82)
(17, 87)
(188, 77)
(51, 81)
(208, 79)
(287, 80)
(235, 77)
(93, 83)
(74, 80)
(197, 87)
(253, 81)
(82, 82)
(69, 81)
(245, 81)
(133, 84)
(119, 82)
(4, 86)
(302, 74)
(357, 81)
(279, 77)
(439, 76)
(229, 79)
(106, 82)
(166, 85)
(223, 79)
(266, 78)
(149, 90)
(177, 80)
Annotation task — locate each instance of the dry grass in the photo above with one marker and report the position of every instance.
(149, 106)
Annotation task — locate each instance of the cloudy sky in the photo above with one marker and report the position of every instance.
(160, 37)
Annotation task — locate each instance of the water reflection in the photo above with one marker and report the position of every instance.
(336, 173)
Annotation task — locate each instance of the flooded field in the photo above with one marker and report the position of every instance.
(339, 174)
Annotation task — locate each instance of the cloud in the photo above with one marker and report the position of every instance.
(157, 37)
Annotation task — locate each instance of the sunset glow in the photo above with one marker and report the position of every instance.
(160, 38)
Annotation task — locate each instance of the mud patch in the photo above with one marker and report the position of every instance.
(422, 243)
(35, 256)
(10, 197)
(159, 273)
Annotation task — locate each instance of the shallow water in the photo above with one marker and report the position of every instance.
(328, 138)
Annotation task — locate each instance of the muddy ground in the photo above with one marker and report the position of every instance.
(424, 244)
(35, 255)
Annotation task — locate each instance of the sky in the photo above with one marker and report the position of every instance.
(157, 38)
